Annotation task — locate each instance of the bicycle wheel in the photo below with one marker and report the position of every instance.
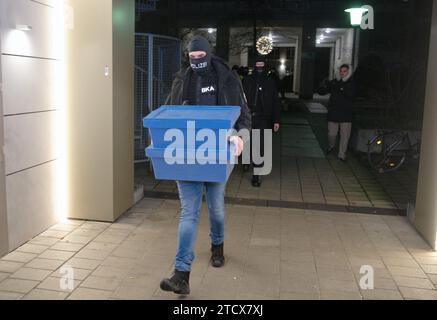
(385, 152)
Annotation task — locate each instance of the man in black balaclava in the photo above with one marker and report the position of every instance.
(207, 82)
(263, 101)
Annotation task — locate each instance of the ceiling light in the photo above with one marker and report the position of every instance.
(356, 15)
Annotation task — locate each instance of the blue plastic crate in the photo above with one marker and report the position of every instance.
(191, 170)
(218, 119)
(178, 117)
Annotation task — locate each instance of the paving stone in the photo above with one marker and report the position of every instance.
(59, 284)
(18, 285)
(32, 248)
(17, 256)
(45, 264)
(407, 272)
(418, 283)
(108, 284)
(67, 246)
(111, 272)
(429, 269)
(10, 295)
(9, 266)
(418, 294)
(55, 234)
(83, 263)
(44, 241)
(3, 276)
(340, 295)
(381, 294)
(89, 294)
(133, 293)
(56, 255)
(92, 254)
(78, 274)
(30, 274)
(299, 296)
(39, 294)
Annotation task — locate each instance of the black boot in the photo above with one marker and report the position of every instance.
(179, 283)
(256, 181)
(217, 258)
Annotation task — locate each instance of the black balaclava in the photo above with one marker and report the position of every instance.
(200, 66)
(260, 59)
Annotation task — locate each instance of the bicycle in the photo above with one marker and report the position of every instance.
(389, 150)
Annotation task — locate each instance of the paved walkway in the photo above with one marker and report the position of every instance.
(303, 175)
(271, 254)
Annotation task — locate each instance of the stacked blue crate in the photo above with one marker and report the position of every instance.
(196, 147)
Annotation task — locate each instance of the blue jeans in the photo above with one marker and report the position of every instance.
(191, 194)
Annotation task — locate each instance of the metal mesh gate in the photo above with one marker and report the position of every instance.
(157, 59)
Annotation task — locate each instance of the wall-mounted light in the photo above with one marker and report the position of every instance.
(23, 27)
(210, 30)
(322, 37)
(318, 41)
(328, 31)
(356, 15)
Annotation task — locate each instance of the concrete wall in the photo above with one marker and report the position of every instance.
(30, 107)
(425, 218)
(99, 101)
(100, 116)
(4, 245)
(344, 50)
(123, 103)
(90, 116)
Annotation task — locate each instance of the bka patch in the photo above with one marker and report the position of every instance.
(208, 89)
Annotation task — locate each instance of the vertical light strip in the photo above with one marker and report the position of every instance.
(60, 195)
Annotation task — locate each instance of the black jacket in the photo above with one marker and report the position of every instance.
(269, 98)
(341, 103)
(230, 91)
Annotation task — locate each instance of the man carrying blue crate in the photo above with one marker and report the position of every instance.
(207, 82)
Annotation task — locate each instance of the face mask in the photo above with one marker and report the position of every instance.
(260, 70)
(201, 65)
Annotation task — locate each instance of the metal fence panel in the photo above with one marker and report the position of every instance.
(157, 59)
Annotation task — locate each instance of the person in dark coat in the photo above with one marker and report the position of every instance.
(263, 101)
(207, 82)
(340, 109)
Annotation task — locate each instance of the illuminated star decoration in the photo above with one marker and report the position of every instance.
(264, 45)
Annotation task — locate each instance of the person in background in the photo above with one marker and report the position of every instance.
(207, 82)
(340, 109)
(263, 100)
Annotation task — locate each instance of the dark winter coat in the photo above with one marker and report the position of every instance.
(268, 99)
(230, 90)
(341, 103)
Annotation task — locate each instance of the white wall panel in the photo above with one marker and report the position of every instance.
(29, 140)
(29, 84)
(37, 42)
(30, 203)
